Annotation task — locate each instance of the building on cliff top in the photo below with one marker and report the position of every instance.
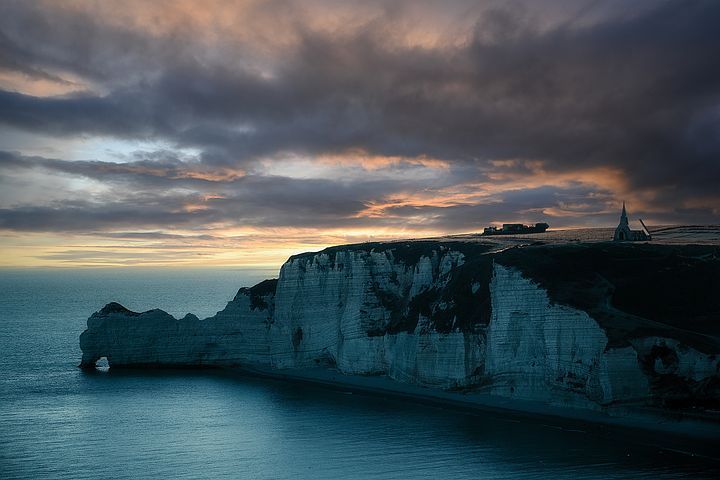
(623, 233)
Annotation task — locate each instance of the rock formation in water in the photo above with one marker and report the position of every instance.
(587, 325)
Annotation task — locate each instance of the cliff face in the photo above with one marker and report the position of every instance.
(448, 315)
(541, 350)
(354, 309)
(237, 334)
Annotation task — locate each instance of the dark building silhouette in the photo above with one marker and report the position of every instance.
(623, 233)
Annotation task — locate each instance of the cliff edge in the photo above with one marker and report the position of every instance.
(589, 325)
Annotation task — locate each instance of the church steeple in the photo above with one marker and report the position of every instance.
(623, 233)
(623, 216)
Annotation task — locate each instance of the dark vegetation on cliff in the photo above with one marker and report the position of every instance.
(464, 304)
(258, 293)
(632, 290)
(407, 252)
(114, 307)
(676, 392)
(453, 308)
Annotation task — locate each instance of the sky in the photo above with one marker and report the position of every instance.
(219, 133)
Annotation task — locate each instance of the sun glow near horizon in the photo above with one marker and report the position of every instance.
(162, 249)
(241, 133)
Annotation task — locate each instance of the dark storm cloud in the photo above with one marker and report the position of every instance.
(144, 185)
(140, 197)
(160, 195)
(137, 201)
(640, 93)
(152, 236)
(15, 59)
(169, 213)
(525, 205)
(83, 216)
(37, 37)
(157, 170)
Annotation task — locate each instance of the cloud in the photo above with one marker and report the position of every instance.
(624, 100)
(162, 195)
(626, 92)
(153, 169)
(173, 194)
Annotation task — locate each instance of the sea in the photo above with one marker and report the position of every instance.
(59, 422)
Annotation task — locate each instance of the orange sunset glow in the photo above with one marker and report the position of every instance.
(239, 133)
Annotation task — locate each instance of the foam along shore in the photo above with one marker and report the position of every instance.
(608, 333)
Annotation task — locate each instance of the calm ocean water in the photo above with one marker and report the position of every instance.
(59, 422)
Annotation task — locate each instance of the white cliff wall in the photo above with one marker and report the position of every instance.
(554, 353)
(237, 334)
(338, 309)
(441, 360)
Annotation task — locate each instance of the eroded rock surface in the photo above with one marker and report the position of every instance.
(455, 315)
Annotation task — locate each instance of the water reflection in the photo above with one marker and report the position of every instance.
(282, 430)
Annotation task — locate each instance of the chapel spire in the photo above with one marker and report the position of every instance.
(624, 233)
(623, 216)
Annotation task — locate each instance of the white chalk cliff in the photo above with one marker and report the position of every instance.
(441, 315)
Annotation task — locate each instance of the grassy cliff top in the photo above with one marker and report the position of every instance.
(408, 252)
